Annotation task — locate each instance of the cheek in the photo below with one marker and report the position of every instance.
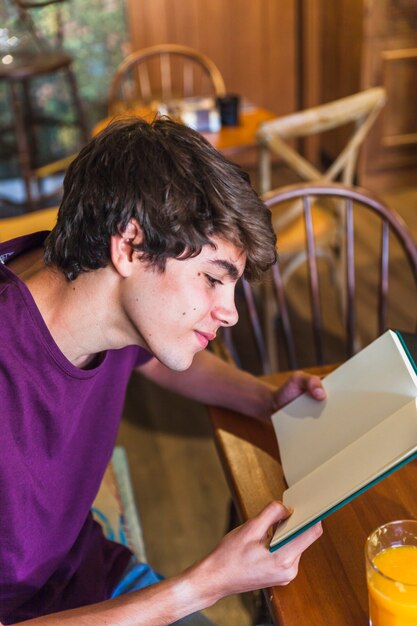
(190, 302)
(183, 299)
(192, 311)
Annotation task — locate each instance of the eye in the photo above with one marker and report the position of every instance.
(212, 281)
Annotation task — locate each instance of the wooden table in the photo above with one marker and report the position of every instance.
(330, 589)
(231, 140)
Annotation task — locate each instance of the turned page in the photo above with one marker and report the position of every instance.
(361, 393)
(350, 471)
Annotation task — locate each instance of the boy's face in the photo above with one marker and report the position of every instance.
(176, 313)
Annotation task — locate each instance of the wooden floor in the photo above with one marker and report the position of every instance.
(181, 492)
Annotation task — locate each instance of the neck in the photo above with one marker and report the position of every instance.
(83, 316)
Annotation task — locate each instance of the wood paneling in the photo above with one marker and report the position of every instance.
(254, 43)
(368, 43)
(340, 51)
(286, 55)
(390, 60)
(394, 142)
(341, 45)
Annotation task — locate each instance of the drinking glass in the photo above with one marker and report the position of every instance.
(391, 572)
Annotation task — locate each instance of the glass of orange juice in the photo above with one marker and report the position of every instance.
(391, 572)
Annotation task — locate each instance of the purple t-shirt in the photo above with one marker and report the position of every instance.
(58, 426)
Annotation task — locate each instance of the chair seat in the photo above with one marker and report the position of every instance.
(26, 66)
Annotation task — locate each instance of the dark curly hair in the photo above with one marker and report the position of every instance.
(173, 182)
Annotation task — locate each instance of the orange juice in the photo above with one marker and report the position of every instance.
(392, 586)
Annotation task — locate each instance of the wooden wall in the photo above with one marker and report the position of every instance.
(341, 39)
(339, 60)
(253, 42)
(286, 55)
(368, 43)
(390, 59)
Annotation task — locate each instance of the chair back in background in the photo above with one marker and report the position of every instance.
(360, 110)
(161, 74)
(301, 322)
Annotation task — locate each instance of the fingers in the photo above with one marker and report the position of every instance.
(314, 387)
(274, 512)
(261, 527)
(288, 557)
(302, 542)
(298, 383)
(289, 570)
(309, 383)
(248, 557)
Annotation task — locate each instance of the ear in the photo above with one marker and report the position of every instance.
(121, 252)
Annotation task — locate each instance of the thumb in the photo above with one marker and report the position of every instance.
(274, 512)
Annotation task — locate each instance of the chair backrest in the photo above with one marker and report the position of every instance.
(162, 73)
(300, 323)
(361, 109)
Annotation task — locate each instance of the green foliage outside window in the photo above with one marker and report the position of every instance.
(96, 36)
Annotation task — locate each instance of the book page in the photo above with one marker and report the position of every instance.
(357, 465)
(366, 389)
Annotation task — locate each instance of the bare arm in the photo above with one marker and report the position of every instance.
(241, 562)
(211, 380)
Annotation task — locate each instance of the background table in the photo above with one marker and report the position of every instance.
(330, 589)
(231, 140)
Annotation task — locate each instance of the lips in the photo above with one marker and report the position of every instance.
(204, 338)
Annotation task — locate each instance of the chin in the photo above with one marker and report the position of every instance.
(176, 363)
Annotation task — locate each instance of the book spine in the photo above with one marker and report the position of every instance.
(408, 343)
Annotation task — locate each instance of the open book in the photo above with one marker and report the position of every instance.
(332, 451)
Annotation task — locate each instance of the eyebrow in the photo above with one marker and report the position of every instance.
(230, 268)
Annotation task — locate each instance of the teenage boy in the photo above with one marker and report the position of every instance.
(153, 233)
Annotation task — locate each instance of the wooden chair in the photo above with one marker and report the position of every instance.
(163, 73)
(18, 73)
(360, 112)
(361, 109)
(299, 324)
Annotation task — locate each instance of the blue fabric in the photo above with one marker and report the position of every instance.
(136, 576)
(139, 575)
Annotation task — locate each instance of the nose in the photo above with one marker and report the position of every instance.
(226, 312)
